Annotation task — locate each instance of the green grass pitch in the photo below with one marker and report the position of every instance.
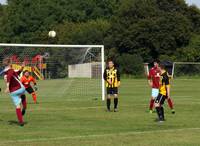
(66, 116)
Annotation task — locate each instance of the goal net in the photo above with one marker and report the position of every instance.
(186, 69)
(178, 69)
(66, 71)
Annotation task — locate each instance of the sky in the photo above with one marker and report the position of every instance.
(196, 2)
(190, 2)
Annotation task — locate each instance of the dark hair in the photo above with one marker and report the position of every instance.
(6, 61)
(110, 60)
(162, 65)
(25, 72)
(157, 61)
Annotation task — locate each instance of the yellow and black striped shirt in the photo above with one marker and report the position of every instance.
(112, 75)
(164, 83)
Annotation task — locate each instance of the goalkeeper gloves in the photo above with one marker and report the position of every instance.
(36, 88)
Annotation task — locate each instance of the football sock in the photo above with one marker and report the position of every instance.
(24, 103)
(162, 113)
(115, 103)
(19, 115)
(34, 97)
(108, 104)
(170, 103)
(151, 104)
(159, 112)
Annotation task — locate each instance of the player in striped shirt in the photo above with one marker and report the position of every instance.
(112, 78)
(164, 92)
(154, 83)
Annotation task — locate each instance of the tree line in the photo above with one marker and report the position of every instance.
(133, 31)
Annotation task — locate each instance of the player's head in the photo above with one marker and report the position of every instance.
(156, 63)
(162, 66)
(110, 63)
(6, 61)
(26, 73)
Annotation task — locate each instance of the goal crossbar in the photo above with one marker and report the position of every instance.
(183, 63)
(66, 46)
(50, 45)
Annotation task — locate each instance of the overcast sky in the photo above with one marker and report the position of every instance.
(196, 2)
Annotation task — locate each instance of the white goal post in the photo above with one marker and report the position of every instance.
(100, 53)
(176, 67)
(182, 63)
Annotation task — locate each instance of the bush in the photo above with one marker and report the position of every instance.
(130, 64)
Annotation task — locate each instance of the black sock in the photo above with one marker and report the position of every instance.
(115, 103)
(162, 113)
(158, 110)
(23, 97)
(108, 104)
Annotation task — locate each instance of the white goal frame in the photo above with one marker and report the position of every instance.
(182, 63)
(69, 46)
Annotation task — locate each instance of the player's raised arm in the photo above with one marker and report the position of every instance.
(34, 82)
(149, 79)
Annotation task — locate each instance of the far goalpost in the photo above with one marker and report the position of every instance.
(185, 69)
(178, 69)
(79, 67)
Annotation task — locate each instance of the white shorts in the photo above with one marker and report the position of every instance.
(154, 93)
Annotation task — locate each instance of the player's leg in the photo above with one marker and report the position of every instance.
(24, 104)
(34, 96)
(108, 102)
(154, 94)
(115, 93)
(159, 107)
(17, 101)
(171, 104)
(32, 92)
(151, 105)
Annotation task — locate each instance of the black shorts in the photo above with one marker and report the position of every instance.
(160, 99)
(30, 90)
(112, 91)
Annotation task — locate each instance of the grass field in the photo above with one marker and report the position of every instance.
(62, 118)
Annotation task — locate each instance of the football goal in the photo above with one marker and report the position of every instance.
(72, 71)
(178, 69)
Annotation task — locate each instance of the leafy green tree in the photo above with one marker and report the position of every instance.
(140, 27)
(130, 64)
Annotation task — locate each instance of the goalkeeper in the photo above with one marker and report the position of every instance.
(26, 81)
(112, 78)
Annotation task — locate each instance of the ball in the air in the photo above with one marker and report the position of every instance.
(52, 34)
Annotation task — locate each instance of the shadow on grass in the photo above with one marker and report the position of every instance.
(33, 103)
(12, 122)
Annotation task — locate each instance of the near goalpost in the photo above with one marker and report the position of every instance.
(75, 70)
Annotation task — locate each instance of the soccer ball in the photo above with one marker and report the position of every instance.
(52, 34)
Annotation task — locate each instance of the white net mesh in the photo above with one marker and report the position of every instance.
(70, 72)
(186, 69)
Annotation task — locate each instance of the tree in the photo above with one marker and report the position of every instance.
(141, 28)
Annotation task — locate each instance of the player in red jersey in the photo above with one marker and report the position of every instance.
(154, 83)
(26, 80)
(14, 87)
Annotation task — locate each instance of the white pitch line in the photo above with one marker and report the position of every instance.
(97, 135)
(63, 109)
